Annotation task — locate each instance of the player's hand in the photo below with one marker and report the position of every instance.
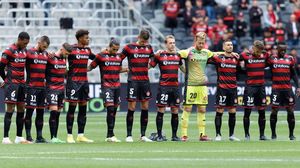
(51, 55)
(2, 84)
(236, 55)
(159, 51)
(298, 92)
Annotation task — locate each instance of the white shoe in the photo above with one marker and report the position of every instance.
(6, 141)
(233, 138)
(129, 139)
(112, 139)
(145, 139)
(218, 138)
(21, 140)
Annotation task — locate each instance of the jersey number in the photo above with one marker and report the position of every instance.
(193, 95)
(72, 92)
(222, 99)
(33, 98)
(131, 91)
(13, 94)
(274, 98)
(164, 97)
(250, 99)
(54, 97)
(107, 95)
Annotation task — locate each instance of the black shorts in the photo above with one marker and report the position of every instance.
(138, 91)
(14, 93)
(168, 96)
(111, 96)
(226, 97)
(282, 98)
(77, 92)
(254, 96)
(55, 98)
(35, 97)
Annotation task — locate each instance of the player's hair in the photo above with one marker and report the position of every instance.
(201, 35)
(259, 44)
(225, 41)
(67, 47)
(23, 36)
(81, 32)
(144, 34)
(44, 39)
(114, 41)
(169, 37)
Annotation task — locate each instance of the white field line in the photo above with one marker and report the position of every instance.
(151, 151)
(150, 159)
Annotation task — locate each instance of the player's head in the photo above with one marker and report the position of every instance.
(228, 46)
(82, 37)
(200, 40)
(66, 49)
(281, 48)
(143, 37)
(258, 47)
(114, 46)
(23, 40)
(43, 43)
(170, 43)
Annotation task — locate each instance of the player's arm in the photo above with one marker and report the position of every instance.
(153, 61)
(182, 65)
(294, 77)
(124, 69)
(94, 63)
(3, 63)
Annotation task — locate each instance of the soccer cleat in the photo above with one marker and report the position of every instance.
(57, 141)
(292, 138)
(70, 139)
(84, 139)
(184, 138)
(6, 141)
(175, 138)
(129, 139)
(233, 138)
(21, 140)
(274, 137)
(204, 138)
(145, 139)
(159, 139)
(218, 138)
(247, 138)
(41, 140)
(29, 138)
(263, 138)
(112, 139)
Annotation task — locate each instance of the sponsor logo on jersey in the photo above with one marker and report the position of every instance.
(141, 55)
(255, 61)
(82, 56)
(112, 63)
(281, 66)
(59, 66)
(20, 59)
(227, 65)
(170, 63)
(37, 61)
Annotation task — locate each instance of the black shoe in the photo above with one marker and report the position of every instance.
(274, 137)
(264, 138)
(159, 139)
(292, 138)
(175, 139)
(153, 136)
(29, 138)
(41, 140)
(247, 137)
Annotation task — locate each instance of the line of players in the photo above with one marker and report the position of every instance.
(74, 59)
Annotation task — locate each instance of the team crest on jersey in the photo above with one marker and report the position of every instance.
(264, 100)
(147, 49)
(291, 99)
(136, 48)
(148, 93)
(235, 100)
(177, 101)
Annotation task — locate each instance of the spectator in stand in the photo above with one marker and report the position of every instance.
(297, 13)
(243, 4)
(270, 18)
(199, 26)
(171, 9)
(15, 5)
(188, 13)
(200, 11)
(255, 14)
(269, 40)
(241, 26)
(218, 31)
(280, 32)
(293, 28)
(224, 2)
(229, 17)
(210, 8)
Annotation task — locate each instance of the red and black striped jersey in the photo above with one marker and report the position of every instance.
(56, 72)
(110, 67)
(281, 71)
(226, 69)
(78, 60)
(36, 62)
(169, 64)
(255, 68)
(138, 60)
(14, 60)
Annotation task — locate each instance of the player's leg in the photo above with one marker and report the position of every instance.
(144, 95)
(189, 98)
(28, 123)
(248, 102)
(275, 97)
(132, 91)
(7, 122)
(174, 102)
(231, 102)
(220, 103)
(291, 122)
(72, 95)
(260, 103)
(202, 101)
(39, 119)
(161, 102)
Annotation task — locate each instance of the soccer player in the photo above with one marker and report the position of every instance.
(226, 66)
(36, 62)
(13, 60)
(138, 55)
(77, 88)
(110, 64)
(56, 72)
(254, 63)
(168, 94)
(195, 91)
(283, 70)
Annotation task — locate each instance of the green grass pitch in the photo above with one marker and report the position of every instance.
(280, 153)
